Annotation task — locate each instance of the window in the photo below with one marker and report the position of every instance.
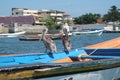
(17, 13)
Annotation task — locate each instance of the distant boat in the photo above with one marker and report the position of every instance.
(88, 32)
(58, 36)
(37, 38)
(29, 38)
(12, 34)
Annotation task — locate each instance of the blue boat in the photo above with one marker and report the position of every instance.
(74, 64)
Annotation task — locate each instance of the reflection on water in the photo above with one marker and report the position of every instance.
(13, 45)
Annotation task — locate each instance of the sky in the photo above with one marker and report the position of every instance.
(75, 8)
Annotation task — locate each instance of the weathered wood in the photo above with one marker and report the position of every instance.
(113, 43)
(66, 68)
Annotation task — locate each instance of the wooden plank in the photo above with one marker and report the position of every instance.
(113, 43)
(67, 68)
(45, 69)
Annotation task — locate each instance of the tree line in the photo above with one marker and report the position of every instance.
(112, 15)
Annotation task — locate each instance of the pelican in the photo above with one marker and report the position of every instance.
(48, 42)
(66, 40)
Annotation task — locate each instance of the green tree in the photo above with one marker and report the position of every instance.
(51, 23)
(112, 15)
(88, 18)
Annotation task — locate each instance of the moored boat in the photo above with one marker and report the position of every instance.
(74, 64)
(38, 38)
(7, 35)
(88, 32)
(28, 38)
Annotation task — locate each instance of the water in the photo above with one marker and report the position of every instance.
(15, 46)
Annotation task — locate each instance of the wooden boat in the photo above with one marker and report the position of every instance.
(77, 64)
(88, 32)
(58, 36)
(12, 34)
(38, 38)
(28, 38)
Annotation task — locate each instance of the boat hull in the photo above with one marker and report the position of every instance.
(7, 35)
(57, 65)
(108, 69)
(104, 51)
(92, 33)
(20, 59)
(108, 74)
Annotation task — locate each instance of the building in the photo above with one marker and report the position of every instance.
(29, 29)
(51, 13)
(19, 23)
(34, 18)
(7, 23)
(41, 15)
(24, 12)
(3, 28)
(60, 16)
(100, 20)
(8, 20)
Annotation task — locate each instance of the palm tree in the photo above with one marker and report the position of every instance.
(112, 15)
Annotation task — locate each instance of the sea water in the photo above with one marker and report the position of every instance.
(15, 46)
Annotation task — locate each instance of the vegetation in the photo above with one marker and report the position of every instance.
(51, 23)
(112, 15)
(89, 18)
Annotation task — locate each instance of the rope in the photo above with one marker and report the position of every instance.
(85, 54)
(93, 51)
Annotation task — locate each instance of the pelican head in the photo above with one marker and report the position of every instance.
(45, 30)
(65, 31)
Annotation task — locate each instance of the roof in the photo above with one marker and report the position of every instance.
(17, 19)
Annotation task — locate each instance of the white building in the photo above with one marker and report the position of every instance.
(42, 15)
(60, 16)
(23, 12)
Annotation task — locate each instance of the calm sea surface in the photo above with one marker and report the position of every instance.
(14, 45)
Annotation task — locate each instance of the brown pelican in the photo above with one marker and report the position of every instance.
(48, 42)
(66, 40)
